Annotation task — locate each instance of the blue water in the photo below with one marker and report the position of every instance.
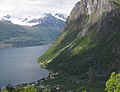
(19, 65)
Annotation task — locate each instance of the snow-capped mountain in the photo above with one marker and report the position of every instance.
(26, 20)
(14, 31)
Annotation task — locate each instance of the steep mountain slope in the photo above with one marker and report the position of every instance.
(89, 46)
(43, 33)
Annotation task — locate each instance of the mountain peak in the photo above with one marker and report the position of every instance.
(61, 16)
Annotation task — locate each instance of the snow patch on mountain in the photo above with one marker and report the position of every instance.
(60, 16)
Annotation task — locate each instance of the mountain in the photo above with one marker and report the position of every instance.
(88, 49)
(26, 20)
(45, 31)
(61, 16)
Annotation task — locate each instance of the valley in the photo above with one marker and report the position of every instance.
(84, 50)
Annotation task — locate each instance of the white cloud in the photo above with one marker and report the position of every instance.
(35, 7)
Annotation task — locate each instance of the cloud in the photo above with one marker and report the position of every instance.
(35, 7)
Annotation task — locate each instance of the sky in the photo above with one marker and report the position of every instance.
(35, 7)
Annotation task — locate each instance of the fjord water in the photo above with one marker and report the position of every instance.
(19, 65)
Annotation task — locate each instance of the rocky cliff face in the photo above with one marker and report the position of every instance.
(89, 7)
(89, 45)
(89, 12)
